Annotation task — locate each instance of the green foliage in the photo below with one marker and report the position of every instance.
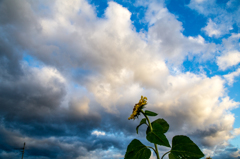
(149, 113)
(136, 150)
(143, 121)
(184, 147)
(157, 136)
(163, 123)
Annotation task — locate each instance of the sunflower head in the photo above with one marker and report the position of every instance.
(138, 107)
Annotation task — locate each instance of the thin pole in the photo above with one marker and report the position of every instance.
(23, 150)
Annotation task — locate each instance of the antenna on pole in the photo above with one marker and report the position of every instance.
(23, 149)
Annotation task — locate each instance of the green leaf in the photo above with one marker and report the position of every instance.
(163, 123)
(143, 121)
(171, 156)
(136, 150)
(184, 147)
(149, 113)
(157, 136)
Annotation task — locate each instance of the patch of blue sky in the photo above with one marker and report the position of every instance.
(210, 68)
(192, 21)
(100, 6)
(193, 65)
(137, 17)
(31, 61)
(235, 4)
(43, 7)
(235, 29)
(80, 74)
(221, 2)
(138, 14)
(234, 90)
(79, 87)
(236, 141)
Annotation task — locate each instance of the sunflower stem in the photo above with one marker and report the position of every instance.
(165, 154)
(151, 129)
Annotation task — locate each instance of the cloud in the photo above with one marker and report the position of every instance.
(211, 29)
(169, 40)
(230, 59)
(38, 89)
(230, 77)
(223, 15)
(226, 151)
(90, 73)
(98, 133)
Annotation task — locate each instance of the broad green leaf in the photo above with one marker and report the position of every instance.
(184, 147)
(163, 123)
(157, 136)
(136, 150)
(171, 156)
(149, 113)
(143, 121)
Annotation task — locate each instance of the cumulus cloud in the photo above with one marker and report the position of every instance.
(168, 38)
(230, 59)
(211, 29)
(230, 77)
(90, 73)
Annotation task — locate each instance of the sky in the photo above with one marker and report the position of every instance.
(72, 71)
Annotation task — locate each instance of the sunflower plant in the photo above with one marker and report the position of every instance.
(182, 146)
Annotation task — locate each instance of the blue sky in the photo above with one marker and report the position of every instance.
(71, 72)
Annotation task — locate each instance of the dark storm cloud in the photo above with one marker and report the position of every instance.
(49, 147)
(16, 22)
(16, 13)
(198, 135)
(30, 113)
(27, 94)
(9, 59)
(31, 109)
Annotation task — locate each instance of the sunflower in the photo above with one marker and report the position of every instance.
(138, 107)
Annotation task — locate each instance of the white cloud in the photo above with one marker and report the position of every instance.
(168, 39)
(231, 43)
(116, 66)
(230, 59)
(125, 66)
(230, 77)
(98, 133)
(236, 132)
(45, 77)
(198, 39)
(212, 29)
